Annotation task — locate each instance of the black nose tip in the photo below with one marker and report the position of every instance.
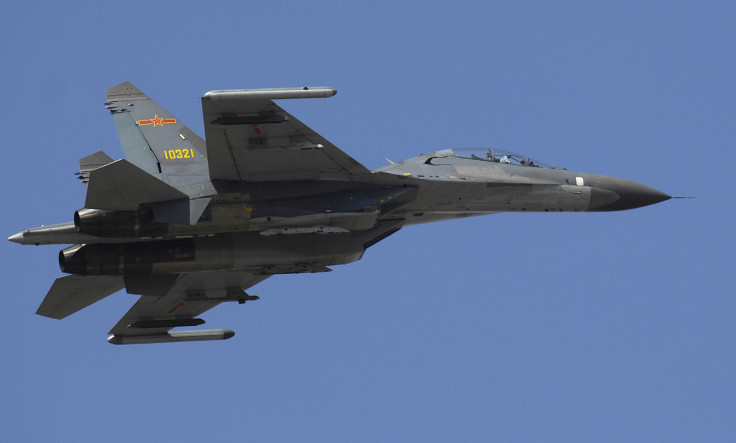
(644, 197)
(631, 194)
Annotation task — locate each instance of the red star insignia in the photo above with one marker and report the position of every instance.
(157, 121)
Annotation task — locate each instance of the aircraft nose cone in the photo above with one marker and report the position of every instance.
(631, 194)
(17, 238)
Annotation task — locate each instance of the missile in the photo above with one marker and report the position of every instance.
(44, 235)
(270, 94)
(172, 336)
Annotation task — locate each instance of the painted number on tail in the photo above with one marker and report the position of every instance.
(172, 154)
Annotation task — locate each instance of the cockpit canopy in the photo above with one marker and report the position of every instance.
(492, 155)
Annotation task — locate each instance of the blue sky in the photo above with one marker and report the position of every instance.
(511, 327)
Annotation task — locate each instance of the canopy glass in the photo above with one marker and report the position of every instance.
(492, 155)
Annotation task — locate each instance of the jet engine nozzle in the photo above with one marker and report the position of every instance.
(97, 259)
(73, 260)
(102, 223)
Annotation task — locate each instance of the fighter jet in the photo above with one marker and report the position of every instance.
(188, 224)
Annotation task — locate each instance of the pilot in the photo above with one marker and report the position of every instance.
(505, 159)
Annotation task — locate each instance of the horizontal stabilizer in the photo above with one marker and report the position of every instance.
(123, 186)
(75, 292)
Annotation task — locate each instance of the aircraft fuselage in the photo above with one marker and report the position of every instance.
(419, 190)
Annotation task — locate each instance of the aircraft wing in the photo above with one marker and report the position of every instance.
(170, 301)
(250, 138)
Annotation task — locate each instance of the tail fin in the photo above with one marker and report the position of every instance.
(91, 162)
(154, 140)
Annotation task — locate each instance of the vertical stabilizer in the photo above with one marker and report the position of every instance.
(90, 163)
(154, 140)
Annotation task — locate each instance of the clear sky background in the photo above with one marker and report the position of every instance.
(510, 327)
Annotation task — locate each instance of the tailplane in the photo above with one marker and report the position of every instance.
(121, 186)
(72, 293)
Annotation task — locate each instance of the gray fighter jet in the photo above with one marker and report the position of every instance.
(187, 223)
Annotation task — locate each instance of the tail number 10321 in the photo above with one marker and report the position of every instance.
(172, 154)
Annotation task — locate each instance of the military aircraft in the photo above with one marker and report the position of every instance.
(187, 223)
